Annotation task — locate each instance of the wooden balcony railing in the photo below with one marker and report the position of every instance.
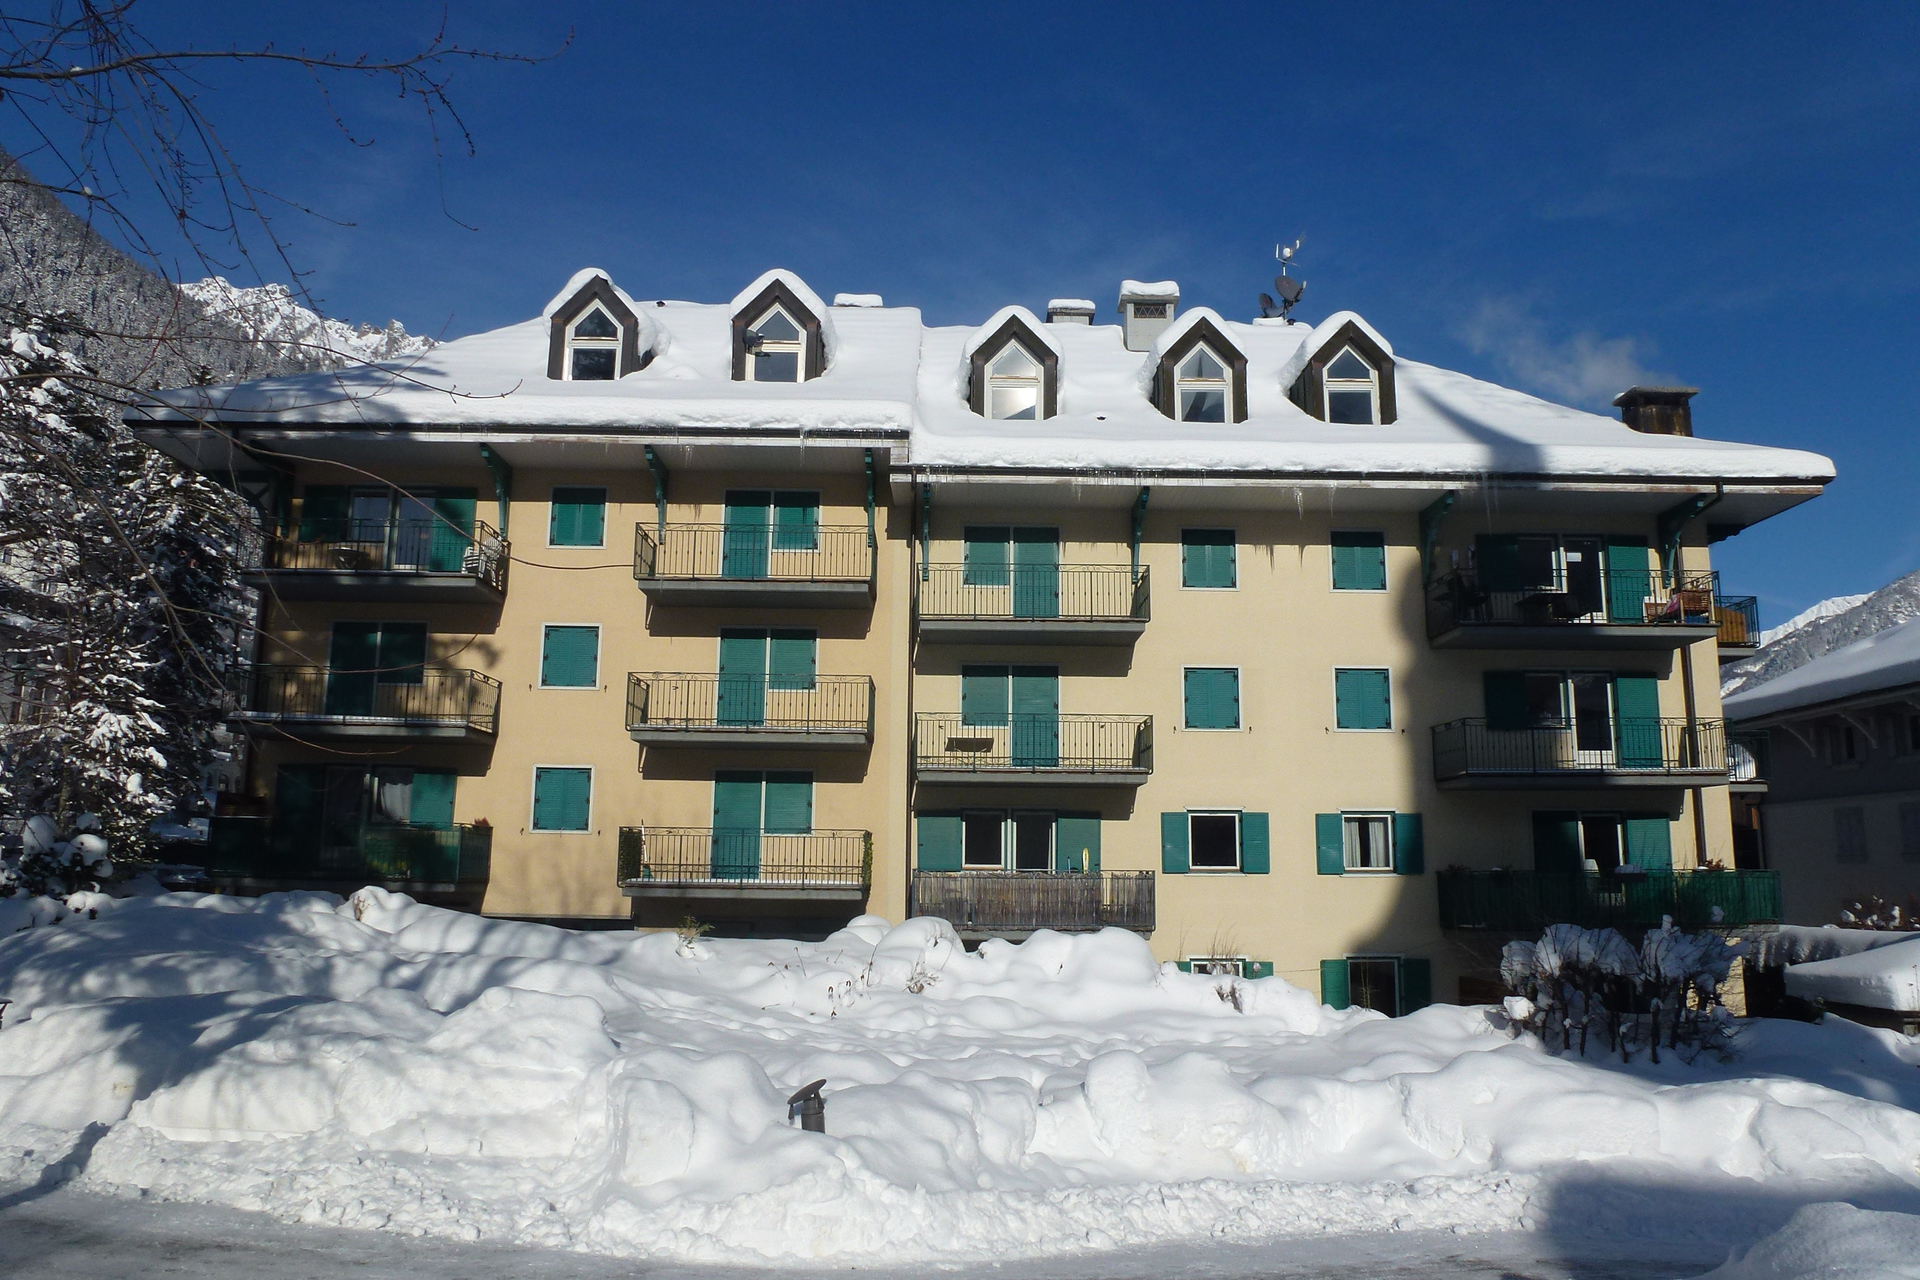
(1022, 901)
(1528, 901)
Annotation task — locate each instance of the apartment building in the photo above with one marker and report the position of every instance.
(1286, 652)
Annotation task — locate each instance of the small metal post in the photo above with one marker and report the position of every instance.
(810, 1107)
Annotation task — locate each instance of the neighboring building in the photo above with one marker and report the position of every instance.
(1256, 638)
(1840, 813)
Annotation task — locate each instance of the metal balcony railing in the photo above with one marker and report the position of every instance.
(1065, 743)
(423, 547)
(1466, 748)
(1748, 756)
(696, 700)
(669, 856)
(266, 849)
(752, 553)
(1021, 901)
(1528, 901)
(1739, 619)
(424, 697)
(1633, 598)
(1068, 592)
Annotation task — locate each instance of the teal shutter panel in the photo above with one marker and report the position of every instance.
(939, 839)
(570, 657)
(1255, 858)
(352, 683)
(1629, 579)
(403, 652)
(578, 517)
(562, 799)
(1409, 851)
(1416, 983)
(323, 513)
(1506, 699)
(987, 563)
(1174, 858)
(746, 538)
(1556, 842)
(1636, 701)
(452, 530)
(1212, 698)
(1184, 966)
(1076, 842)
(1362, 699)
(1329, 837)
(1207, 558)
(1036, 572)
(1333, 984)
(432, 798)
(789, 803)
(1498, 556)
(741, 697)
(734, 852)
(985, 697)
(796, 521)
(792, 659)
(1359, 561)
(1258, 968)
(1650, 841)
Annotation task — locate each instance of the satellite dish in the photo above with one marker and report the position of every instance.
(1289, 289)
(1267, 304)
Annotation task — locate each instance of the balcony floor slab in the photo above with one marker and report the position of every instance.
(1584, 780)
(1615, 637)
(1063, 777)
(362, 585)
(736, 593)
(749, 736)
(1047, 631)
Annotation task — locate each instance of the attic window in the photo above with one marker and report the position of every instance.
(1013, 385)
(1202, 388)
(593, 347)
(775, 346)
(1352, 390)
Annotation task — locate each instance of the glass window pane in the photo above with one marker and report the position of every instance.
(1367, 843)
(1352, 407)
(1374, 984)
(1014, 362)
(776, 366)
(595, 324)
(981, 840)
(392, 795)
(1032, 842)
(593, 364)
(1600, 840)
(1349, 365)
(778, 328)
(1215, 840)
(1546, 707)
(1201, 364)
(1018, 403)
(1203, 406)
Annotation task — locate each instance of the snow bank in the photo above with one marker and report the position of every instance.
(1834, 1241)
(1883, 978)
(378, 1063)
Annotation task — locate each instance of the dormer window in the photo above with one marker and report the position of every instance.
(593, 347)
(1013, 368)
(1352, 390)
(775, 346)
(594, 332)
(1014, 380)
(1202, 389)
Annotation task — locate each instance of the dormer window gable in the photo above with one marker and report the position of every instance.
(1201, 376)
(778, 335)
(1348, 379)
(594, 332)
(1013, 374)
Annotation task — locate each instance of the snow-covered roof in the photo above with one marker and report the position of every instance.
(1883, 978)
(1888, 660)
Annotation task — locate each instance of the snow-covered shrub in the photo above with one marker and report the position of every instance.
(50, 863)
(1875, 912)
(1579, 988)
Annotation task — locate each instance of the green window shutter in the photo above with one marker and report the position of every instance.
(988, 563)
(1174, 857)
(1636, 701)
(1362, 699)
(1258, 968)
(1212, 698)
(1184, 966)
(939, 839)
(1255, 856)
(1329, 837)
(562, 799)
(578, 517)
(1076, 842)
(789, 803)
(1416, 983)
(1650, 841)
(1359, 561)
(323, 513)
(792, 659)
(1409, 852)
(1207, 558)
(985, 697)
(1629, 579)
(737, 800)
(1556, 842)
(432, 798)
(796, 521)
(570, 657)
(1498, 558)
(403, 652)
(452, 530)
(1333, 984)
(1505, 693)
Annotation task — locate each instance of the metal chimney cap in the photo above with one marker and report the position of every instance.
(1654, 395)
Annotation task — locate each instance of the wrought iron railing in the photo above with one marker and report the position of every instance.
(1077, 743)
(696, 700)
(1739, 619)
(743, 855)
(1020, 901)
(1615, 597)
(346, 545)
(1469, 747)
(1067, 592)
(753, 553)
(1749, 753)
(426, 696)
(266, 849)
(1527, 901)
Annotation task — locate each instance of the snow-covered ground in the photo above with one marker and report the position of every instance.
(379, 1064)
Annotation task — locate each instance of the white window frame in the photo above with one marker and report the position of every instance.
(577, 343)
(1239, 841)
(1223, 384)
(1036, 382)
(1006, 821)
(1350, 819)
(1239, 700)
(533, 792)
(1218, 966)
(1370, 384)
(774, 346)
(599, 636)
(1393, 703)
(1394, 963)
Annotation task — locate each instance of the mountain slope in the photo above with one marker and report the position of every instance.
(270, 315)
(1832, 625)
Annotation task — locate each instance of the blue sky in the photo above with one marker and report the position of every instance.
(1564, 198)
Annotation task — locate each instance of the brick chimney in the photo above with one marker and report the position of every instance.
(1658, 411)
(1146, 309)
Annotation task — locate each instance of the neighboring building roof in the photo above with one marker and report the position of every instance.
(1884, 978)
(1889, 660)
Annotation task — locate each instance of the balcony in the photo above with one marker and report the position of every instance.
(1748, 755)
(1090, 604)
(672, 708)
(1739, 622)
(720, 564)
(423, 703)
(1529, 901)
(1467, 755)
(1048, 750)
(1631, 610)
(407, 560)
(709, 862)
(436, 860)
(994, 903)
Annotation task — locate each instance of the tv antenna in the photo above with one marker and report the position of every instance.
(1285, 285)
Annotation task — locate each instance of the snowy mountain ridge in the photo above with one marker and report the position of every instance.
(1831, 607)
(1829, 625)
(276, 320)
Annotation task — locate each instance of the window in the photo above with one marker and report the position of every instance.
(1216, 966)
(1359, 561)
(1912, 735)
(577, 517)
(562, 799)
(593, 347)
(1014, 384)
(1362, 698)
(1393, 985)
(776, 347)
(1850, 834)
(1212, 697)
(995, 840)
(1214, 841)
(1352, 390)
(1363, 841)
(1367, 841)
(1207, 559)
(570, 657)
(1202, 388)
(1843, 745)
(1910, 830)
(1373, 982)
